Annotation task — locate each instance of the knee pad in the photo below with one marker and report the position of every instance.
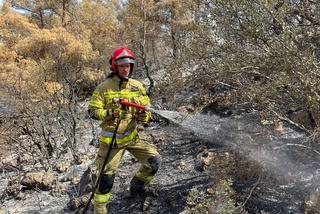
(106, 183)
(154, 163)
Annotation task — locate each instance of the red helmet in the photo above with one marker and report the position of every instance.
(120, 56)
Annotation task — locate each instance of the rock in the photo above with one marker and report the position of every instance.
(182, 165)
(188, 108)
(182, 109)
(63, 166)
(25, 158)
(10, 163)
(122, 174)
(206, 158)
(203, 160)
(210, 191)
(42, 180)
(81, 158)
(278, 126)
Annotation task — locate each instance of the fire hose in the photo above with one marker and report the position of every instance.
(123, 102)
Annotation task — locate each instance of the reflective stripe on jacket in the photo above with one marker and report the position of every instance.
(106, 137)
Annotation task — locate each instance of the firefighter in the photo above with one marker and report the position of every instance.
(101, 107)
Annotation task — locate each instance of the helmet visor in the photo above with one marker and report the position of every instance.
(124, 61)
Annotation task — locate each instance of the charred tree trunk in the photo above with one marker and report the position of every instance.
(63, 17)
(41, 18)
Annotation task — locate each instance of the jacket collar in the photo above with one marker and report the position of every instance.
(120, 81)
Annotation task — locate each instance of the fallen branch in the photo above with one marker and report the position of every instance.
(251, 191)
(228, 85)
(299, 145)
(254, 71)
(302, 128)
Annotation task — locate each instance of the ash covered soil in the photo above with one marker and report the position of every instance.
(208, 167)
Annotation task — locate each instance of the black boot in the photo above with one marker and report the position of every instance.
(137, 187)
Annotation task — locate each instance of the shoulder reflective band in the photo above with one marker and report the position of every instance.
(121, 94)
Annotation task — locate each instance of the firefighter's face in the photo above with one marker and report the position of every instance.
(124, 70)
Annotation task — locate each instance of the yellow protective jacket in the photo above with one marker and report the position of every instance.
(101, 105)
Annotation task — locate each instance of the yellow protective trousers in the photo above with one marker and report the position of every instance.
(144, 152)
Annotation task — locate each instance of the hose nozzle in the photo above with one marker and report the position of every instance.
(116, 100)
(147, 108)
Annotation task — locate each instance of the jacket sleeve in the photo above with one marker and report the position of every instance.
(144, 98)
(96, 108)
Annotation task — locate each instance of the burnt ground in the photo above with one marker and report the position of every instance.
(232, 168)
